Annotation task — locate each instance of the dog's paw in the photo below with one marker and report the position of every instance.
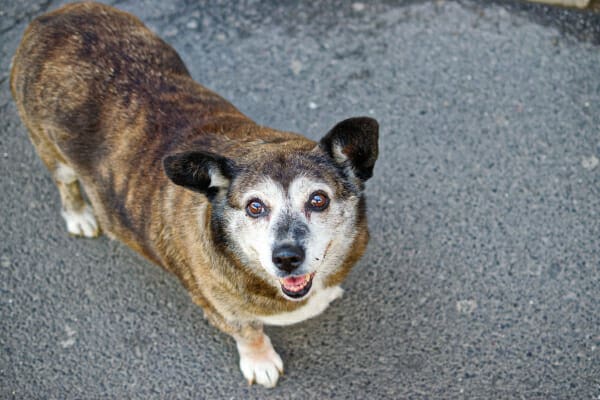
(81, 223)
(259, 362)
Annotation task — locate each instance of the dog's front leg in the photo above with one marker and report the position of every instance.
(259, 361)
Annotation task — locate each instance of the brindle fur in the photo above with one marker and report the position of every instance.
(102, 94)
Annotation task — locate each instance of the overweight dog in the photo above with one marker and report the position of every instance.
(261, 226)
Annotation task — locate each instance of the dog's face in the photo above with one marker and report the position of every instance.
(289, 215)
(295, 221)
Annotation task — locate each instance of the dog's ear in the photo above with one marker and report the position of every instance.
(353, 143)
(202, 172)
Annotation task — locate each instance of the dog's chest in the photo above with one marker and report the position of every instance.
(316, 304)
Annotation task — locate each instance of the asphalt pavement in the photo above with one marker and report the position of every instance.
(482, 278)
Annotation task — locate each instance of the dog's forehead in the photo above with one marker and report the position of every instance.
(282, 169)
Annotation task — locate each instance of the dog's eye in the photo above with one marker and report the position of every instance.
(255, 208)
(318, 201)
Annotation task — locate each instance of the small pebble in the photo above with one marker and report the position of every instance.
(312, 105)
(358, 7)
(466, 306)
(296, 66)
(69, 331)
(590, 163)
(65, 344)
(193, 24)
(70, 340)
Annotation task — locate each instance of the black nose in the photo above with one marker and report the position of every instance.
(288, 257)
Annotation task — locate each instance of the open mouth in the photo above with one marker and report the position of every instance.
(297, 287)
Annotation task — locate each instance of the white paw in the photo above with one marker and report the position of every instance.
(82, 223)
(260, 363)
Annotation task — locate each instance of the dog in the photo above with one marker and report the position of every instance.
(260, 226)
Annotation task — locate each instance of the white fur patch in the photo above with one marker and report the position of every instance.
(255, 235)
(260, 364)
(338, 154)
(316, 304)
(217, 179)
(82, 223)
(331, 233)
(64, 174)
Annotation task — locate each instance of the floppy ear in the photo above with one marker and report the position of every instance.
(353, 142)
(202, 172)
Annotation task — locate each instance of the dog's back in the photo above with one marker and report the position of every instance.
(89, 71)
(103, 95)
(72, 65)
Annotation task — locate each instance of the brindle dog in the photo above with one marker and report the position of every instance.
(261, 226)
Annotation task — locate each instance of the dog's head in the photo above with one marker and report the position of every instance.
(290, 215)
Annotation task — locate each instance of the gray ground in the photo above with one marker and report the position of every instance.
(482, 279)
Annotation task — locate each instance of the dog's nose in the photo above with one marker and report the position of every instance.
(288, 257)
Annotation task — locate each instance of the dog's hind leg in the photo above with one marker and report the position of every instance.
(78, 214)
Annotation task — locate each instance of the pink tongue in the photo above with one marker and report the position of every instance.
(294, 282)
